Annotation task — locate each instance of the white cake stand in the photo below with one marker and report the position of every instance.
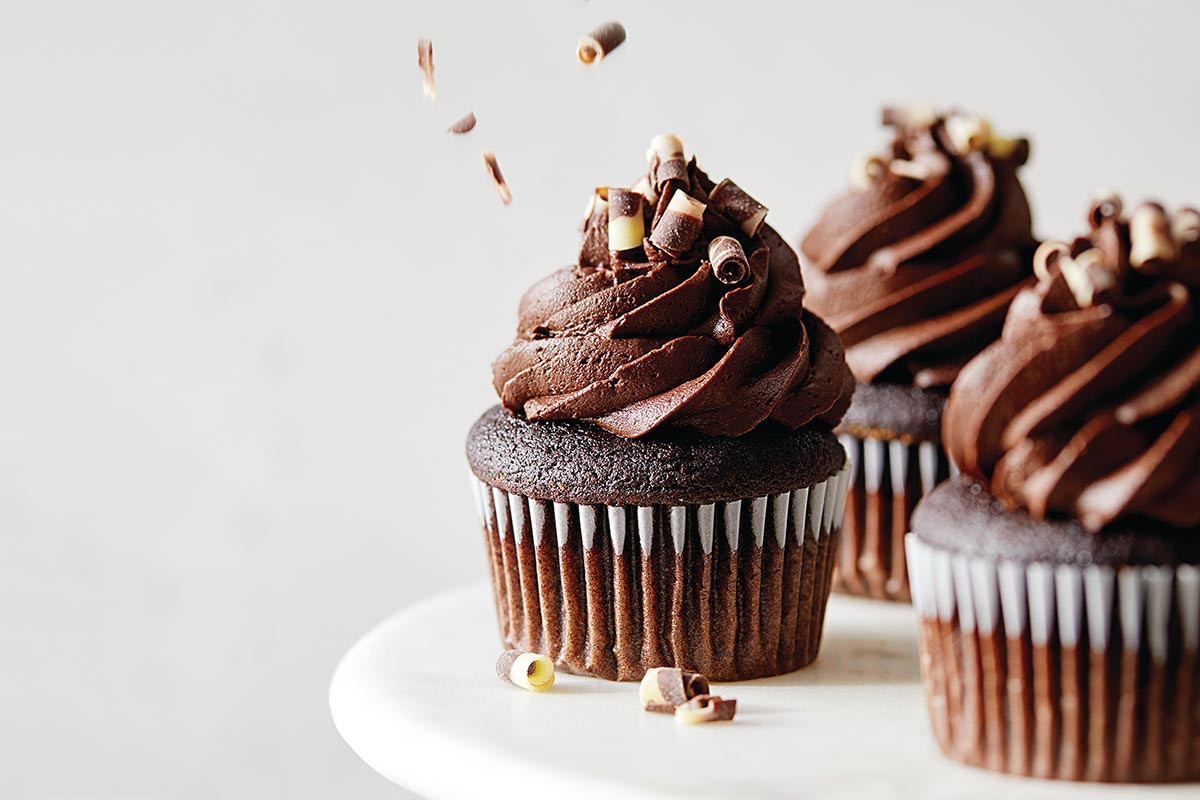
(417, 698)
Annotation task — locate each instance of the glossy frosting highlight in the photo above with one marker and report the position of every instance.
(915, 266)
(645, 338)
(1089, 404)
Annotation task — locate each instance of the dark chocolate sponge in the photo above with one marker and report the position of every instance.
(578, 462)
(963, 517)
(895, 411)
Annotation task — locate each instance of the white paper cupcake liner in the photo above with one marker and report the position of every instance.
(887, 478)
(1061, 671)
(733, 589)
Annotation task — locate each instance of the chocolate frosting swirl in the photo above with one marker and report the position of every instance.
(916, 265)
(1089, 404)
(653, 337)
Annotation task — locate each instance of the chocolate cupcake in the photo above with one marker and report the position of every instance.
(915, 267)
(1057, 579)
(661, 485)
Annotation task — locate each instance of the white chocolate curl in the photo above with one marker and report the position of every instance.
(1046, 255)
(703, 708)
(531, 671)
(667, 162)
(680, 225)
(647, 191)
(626, 226)
(1002, 146)
(914, 170)
(968, 132)
(1086, 276)
(663, 689)
(597, 203)
(911, 116)
(866, 170)
(1185, 226)
(1150, 236)
(665, 146)
(729, 198)
(683, 203)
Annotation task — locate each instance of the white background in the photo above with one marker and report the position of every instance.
(250, 290)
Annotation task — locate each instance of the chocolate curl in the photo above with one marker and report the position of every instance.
(647, 191)
(910, 117)
(704, 708)
(913, 170)
(603, 40)
(968, 133)
(667, 163)
(679, 226)
(1185, 226)
(664, 689)
(463, 125)
(594, 250)
(728, 198)
(728, 259)
(867, 170)
(493, 168)
(1005, 147)
(597, 205)
(626, 225)
(425, 62)
(1046, 257)
(1086, 276)
(1150, 238)
(1105, 205)
(531, 671)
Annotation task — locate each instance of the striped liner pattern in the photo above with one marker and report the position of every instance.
(735, 590)
(887, 478)
(1061, 671)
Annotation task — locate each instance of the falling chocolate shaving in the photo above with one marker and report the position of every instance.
(493, 168)
(425, 62)
(603, 40)
(728, 259)
(463, 125)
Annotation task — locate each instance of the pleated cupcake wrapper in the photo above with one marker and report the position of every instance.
(1082, 673)
(887, 478)
(735, 589)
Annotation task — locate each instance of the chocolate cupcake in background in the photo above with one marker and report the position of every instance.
(661, 485)
(914, 267)
(1057, 579)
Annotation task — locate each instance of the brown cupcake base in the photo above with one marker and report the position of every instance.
(887, 479)
(735, 590)
(1061, 671)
